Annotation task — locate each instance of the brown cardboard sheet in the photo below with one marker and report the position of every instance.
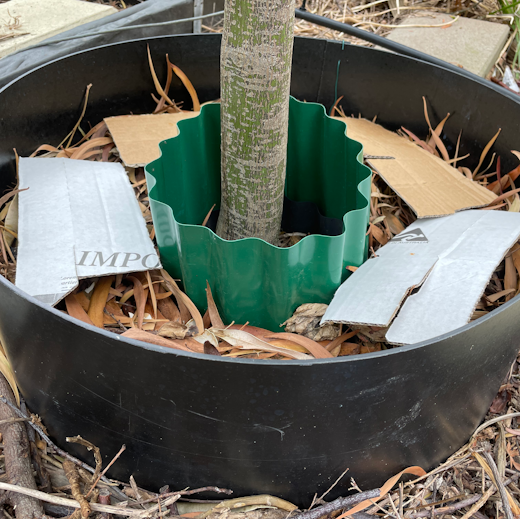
(429, 185)
(137, 137)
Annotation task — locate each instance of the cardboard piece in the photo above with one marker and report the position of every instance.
(429, 185)
(452, 257)
(78, 219)
(137, 137)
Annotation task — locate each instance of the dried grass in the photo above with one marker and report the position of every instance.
(380, 16)
(150, 307)
(480, 480)
(10, 28)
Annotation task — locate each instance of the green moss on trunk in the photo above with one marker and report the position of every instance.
(255, 79)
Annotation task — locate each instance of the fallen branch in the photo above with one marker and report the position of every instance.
(61, 452)
(480, 503)
(338, 504)
(17, 456)
(499, 483)
(96, 507)
(447, 509)
(71, 471)
(91, 447)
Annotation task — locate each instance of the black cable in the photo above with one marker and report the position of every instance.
(396, 47)
(117, 30)
(323, 21)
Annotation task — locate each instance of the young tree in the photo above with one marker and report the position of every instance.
(255, 69)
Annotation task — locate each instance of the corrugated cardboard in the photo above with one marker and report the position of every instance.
(452, 257)
(429, 185)
(137, 137)
(77, 219)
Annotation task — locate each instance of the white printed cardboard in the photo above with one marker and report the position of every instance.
(451, 259)
(77, 219)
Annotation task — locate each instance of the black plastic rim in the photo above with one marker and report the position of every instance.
(255, 426)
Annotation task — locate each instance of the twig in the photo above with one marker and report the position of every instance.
(121, 450)
(135, 488)
(61, 452)
(191, 492)
(499, 483)
(71, 503)
(158, 507)
(395, 509)
(444, 467)
(17, 456)
(71, 472)
(13, 420)
(91, 447)
(320, 499)
(447, 509)
(121, 326)
(401, 499)
(174, 510)
(338, 504)
(480, 503)
(485, 425)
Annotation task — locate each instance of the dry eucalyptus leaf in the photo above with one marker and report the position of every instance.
(209, 349)
(246, 341)
(306, 321)
(515, 204)
(191, 328)
(173, 330)
(205, 337)
(394, 224)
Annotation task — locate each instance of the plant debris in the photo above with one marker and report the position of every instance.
(306, 321)
(149, 306)
(480, 480)
(11, 28)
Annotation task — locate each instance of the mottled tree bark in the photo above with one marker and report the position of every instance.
(255, 70)
(18, 458)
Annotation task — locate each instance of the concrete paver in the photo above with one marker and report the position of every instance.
(472, 44)
(42, 19)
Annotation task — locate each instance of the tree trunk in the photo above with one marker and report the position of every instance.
(255, 70)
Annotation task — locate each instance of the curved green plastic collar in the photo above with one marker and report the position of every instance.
(252, 280)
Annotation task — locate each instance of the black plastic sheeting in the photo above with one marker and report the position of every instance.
(288, 428)
(149, 12)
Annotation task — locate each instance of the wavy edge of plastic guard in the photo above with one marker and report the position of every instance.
(151, 181)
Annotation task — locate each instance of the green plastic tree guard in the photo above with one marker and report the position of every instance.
(327, 192)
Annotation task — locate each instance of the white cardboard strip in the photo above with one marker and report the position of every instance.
(464, 249)
(78, 219)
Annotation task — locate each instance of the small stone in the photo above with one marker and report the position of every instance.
(42, 19)
(306, 321)
(472, 44)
